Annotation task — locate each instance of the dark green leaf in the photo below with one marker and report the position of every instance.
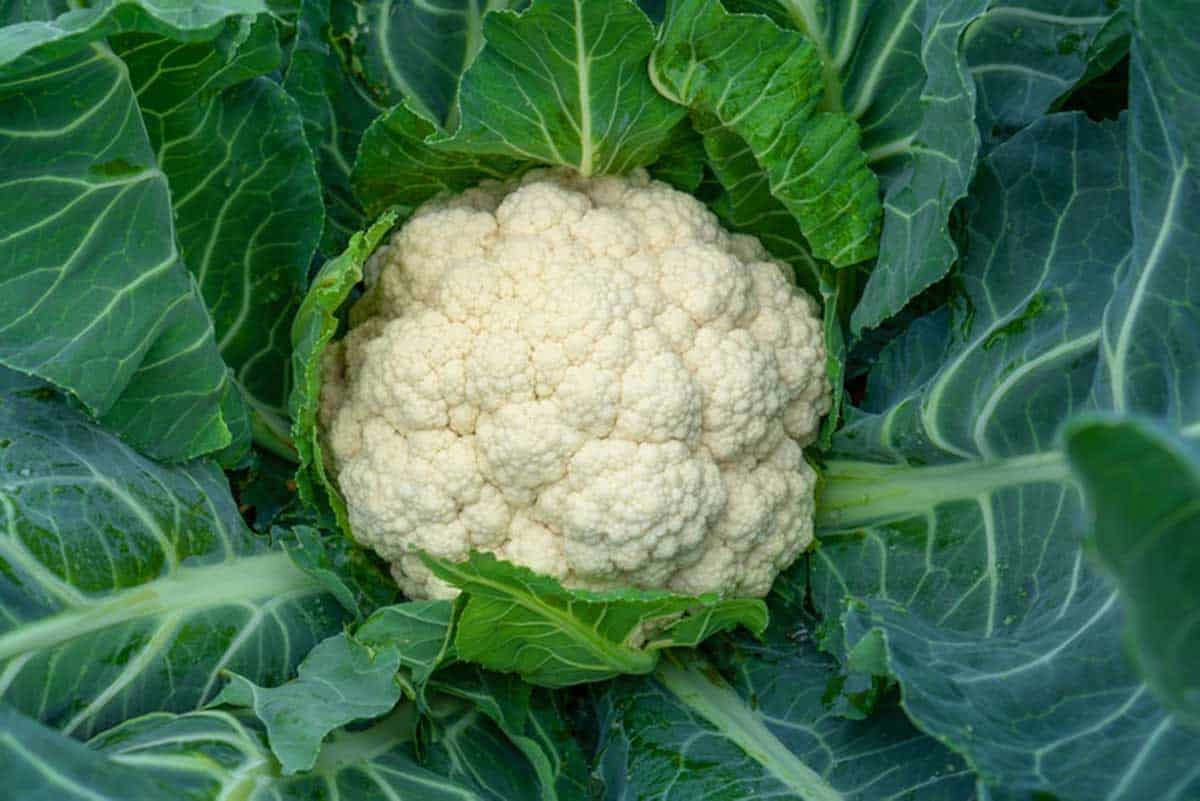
(96, 300)
(126, 586)
(247, 202)
(1025, 55)
(682, 162)
(417, 52)
(949, 509)
(1150, 350)
(36, 34)
(216, 756)
(397, 167)
(336, 110)
(549, 763)
(419, 631)
(345, 571)
(690, 733)
(1143, 490)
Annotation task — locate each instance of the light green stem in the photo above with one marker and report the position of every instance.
(189, 588)
(707, 694)
(854, 494)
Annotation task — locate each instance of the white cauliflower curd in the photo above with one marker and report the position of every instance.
(586, 376)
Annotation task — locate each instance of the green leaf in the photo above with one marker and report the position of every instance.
(947, 507)
(747, 205)
(346, 572)
(126, 586)
(1150, 352)
(690, 732)
(682, 162)
(246, 197)
(565, 83)
(339, 682)
(336, 110)
(96, 300)
(38, 34)
(898, 70)
(314, 326)
(491, 725)
(746, 76)
(515, 620)
(1024, 56)
(216, 755)
(397, 166)
(418, 631)
(50, 767)
(1143, 490)
(417, 52)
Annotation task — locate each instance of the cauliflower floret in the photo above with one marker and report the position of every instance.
(586, 376)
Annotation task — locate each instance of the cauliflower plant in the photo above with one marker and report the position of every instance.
(589, 377)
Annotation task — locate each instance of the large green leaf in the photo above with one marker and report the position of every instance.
(565, 83)
(212, 756)
(95, 297)
(1150, 351)
(247, 202)
(897, 68)
(1143, 490)
(744, 76)
(948, 510)
(36, 34)
(336, 110)
(417, 51)
(1026, 55)
(518, 621)
(766, 732)
(510, 741)
(1150, 357)
(126, 586)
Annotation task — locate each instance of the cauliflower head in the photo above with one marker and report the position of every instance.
(585, 376)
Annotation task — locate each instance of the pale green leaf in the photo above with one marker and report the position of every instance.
(515, 620)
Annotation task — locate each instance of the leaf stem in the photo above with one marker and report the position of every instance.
(249, 578)
(853, 494)
(271, 432)
(707, 694)
(349, 747)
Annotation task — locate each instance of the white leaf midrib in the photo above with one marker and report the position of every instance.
(189, 589)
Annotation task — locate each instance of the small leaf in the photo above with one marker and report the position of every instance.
(340, 681)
